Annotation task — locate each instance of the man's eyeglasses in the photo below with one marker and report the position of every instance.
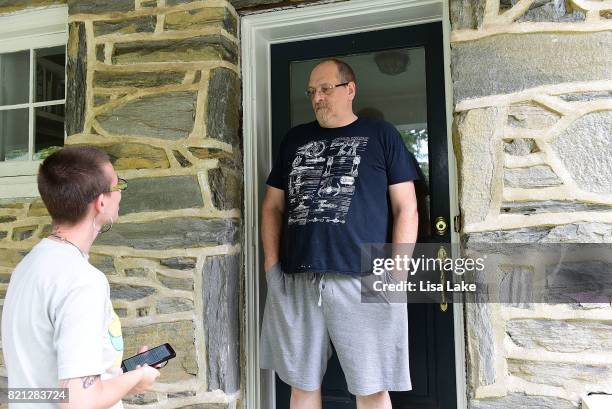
(121, 185)
(326, 89)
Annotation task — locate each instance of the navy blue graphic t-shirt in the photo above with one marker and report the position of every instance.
(336, 192)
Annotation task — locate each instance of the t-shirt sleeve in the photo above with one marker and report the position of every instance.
(79, 330)
(401, 164)
(277, 177)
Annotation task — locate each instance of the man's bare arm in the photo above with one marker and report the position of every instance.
(272, 211)
(405, 221)
(90, 392)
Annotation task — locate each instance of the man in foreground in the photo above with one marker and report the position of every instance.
(59, 328)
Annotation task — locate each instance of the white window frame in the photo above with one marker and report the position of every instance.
(29, 30)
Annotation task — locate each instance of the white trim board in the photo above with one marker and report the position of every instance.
(258, 32)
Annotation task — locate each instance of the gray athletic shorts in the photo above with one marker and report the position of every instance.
(306, 311)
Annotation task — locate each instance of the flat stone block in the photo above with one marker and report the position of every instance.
(110, 79)
(142, 24)
(507, 63)
(585, 148)
(135, 156)
(97, 7)
(223, 106)
(182, 232)
(201, 18)
(180, 334)
(164, 193)
(201, 48)
(165, 116)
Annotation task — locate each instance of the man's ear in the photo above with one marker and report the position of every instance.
(99, 203)
(352, 88)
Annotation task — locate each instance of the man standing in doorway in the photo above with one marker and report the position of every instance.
(355, 187)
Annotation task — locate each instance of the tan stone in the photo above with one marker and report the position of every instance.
(200, 18)
(16, 5)
(179, 334)
(10, 257)
(136, 156)
(530, 115)
(37, 208)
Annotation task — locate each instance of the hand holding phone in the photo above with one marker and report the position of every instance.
(152, 357)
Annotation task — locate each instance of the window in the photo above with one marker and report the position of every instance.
(32, 95)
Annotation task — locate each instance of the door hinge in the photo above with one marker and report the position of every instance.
(457, 222)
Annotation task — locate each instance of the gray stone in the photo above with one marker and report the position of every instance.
(482, 343)
(200, 18)
(181, 394)
(507, 63)
(137, 79)
(76, 73)
(148, 3)
(136, 272)
(23, 233)
(224, 157)
(209, 406)
(584, 281)
(522, 401)
(175, 283)
(561, 336)
(516, 286)
(141, 24)
(3, 234)
(531, 115)
(552, 206)
(100, 52)
(201, 48)
(100, 99)
(570, 233)
(586, 96)
(585, 148)
(222, 305)
(130, 292)
(223, 106)
(163, 193)
(102, 263)
(531, 177)
(520, 147)
(135, 156)
(225, 188)
(143, 311)
(5, 278)
(121, 312)
(547, 11)
(607, 14)
(173, 305)
(181, 159)
(95, 6)
(466, 14)
(166, 116)
(182, 232)
(182, 338)
(559, 374)
(179, 263)
(480, 158)
(7, 219)
(140, 399)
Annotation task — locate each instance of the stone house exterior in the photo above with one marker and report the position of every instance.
(157, 84)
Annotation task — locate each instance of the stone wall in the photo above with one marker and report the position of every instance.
(533, 136)
(156, 84)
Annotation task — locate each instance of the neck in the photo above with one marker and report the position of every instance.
(340, 122)
(81, 235)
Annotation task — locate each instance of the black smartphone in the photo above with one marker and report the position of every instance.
(151, 357)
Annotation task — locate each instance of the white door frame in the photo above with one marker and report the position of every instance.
(258, 32)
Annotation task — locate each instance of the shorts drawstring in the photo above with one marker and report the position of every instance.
(319, 277)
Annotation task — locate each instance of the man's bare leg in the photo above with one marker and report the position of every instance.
(378, 400)
(301, 399)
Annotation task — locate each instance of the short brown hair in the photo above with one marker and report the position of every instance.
(345, 72)
(69, 179)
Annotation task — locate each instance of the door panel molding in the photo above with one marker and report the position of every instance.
(258, 32)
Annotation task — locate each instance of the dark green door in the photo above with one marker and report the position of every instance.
(399, 78)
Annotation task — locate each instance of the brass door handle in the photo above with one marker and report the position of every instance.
(441, 225)
(443, 255)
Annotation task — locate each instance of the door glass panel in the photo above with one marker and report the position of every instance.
(14, 78)
(391, 86)
(14, 134)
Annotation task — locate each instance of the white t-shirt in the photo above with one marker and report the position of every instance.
(58, 321)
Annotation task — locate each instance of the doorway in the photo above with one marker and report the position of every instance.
(259, 34)
(399, 79)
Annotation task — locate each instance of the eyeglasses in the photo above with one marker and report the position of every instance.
(121, 185)
(325, 89)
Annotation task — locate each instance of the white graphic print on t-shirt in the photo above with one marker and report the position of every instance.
(322, 180)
